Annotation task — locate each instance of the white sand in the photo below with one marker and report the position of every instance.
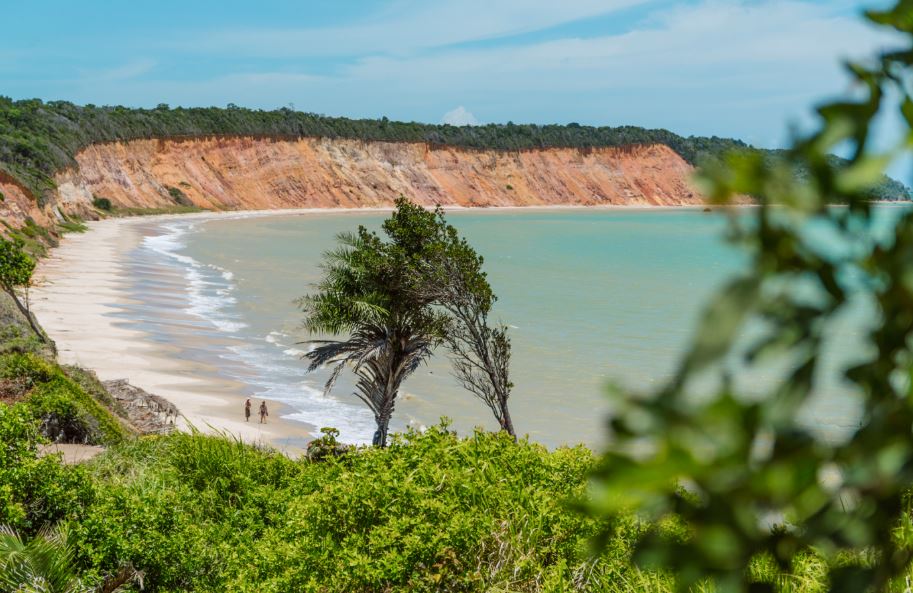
(77, 289)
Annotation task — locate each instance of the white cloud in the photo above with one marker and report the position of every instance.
(130, 70)
(459, 117)
(408, 26)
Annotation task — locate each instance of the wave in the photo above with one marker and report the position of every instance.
(270, 365)
(209, 288)
(276, 378)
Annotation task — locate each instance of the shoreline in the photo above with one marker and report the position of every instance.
(81, 287)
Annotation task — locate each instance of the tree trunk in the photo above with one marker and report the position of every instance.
(27, 314)
(383, 426)
(506, 423)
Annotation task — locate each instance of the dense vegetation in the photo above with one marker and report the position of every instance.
(38, 139)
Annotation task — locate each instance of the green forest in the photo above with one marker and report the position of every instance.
(40, 138)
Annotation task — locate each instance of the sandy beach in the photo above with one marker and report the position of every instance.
(79, 290)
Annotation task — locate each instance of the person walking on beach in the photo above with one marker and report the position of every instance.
(247, 406)
(263, 412)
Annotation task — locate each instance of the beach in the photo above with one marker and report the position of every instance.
(199, 309)
(79, 290)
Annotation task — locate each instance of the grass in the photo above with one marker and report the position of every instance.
(176, 209)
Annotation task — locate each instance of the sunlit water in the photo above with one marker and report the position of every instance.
(590, 296)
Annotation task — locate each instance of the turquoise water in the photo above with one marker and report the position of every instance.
(590, 296)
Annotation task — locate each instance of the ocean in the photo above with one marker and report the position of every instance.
(590, 296)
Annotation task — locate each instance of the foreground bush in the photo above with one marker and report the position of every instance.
(34, 491)
(432, 512)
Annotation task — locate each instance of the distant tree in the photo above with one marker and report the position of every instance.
(16, 274)
(400, 298)
(365, 293)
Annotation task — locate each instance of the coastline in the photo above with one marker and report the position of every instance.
(81, 288)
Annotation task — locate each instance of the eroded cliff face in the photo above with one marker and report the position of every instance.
(247, 173)
(16, 206)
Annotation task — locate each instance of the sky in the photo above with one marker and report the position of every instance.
(748, 69)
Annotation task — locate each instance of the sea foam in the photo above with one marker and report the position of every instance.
(209, 293)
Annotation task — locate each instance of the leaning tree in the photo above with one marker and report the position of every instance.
(447, 272)
(16, 274)
(391, 329)
(398, 298)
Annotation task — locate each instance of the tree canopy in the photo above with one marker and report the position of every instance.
(398, 298)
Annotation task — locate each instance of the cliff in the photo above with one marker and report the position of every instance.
(246, 173)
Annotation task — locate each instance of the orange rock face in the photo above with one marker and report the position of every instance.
(16, 206)
(247, 173)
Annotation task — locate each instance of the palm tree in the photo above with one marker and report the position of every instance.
(44, 564)
(391, 332)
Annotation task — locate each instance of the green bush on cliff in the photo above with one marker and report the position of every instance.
(34, 491)
(65, 411)
(433, 512)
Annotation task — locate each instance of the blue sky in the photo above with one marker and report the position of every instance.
(741, 68)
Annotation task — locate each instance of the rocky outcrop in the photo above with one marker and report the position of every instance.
(238, 173)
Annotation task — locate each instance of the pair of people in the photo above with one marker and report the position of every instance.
(263, 411)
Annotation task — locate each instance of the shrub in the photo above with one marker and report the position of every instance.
(67, 413)
(102, 203)
(179, 197)
(432, 512)
(34, 491)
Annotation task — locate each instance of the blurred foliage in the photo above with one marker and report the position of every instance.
(745, 477)
(39, 139)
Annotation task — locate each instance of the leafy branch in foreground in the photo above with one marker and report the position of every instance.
(731, 460)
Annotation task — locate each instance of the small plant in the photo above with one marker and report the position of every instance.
(326, 446)
(16, 274)
(102, 203)
(178, 196)
(71, 225)
(509, 187)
